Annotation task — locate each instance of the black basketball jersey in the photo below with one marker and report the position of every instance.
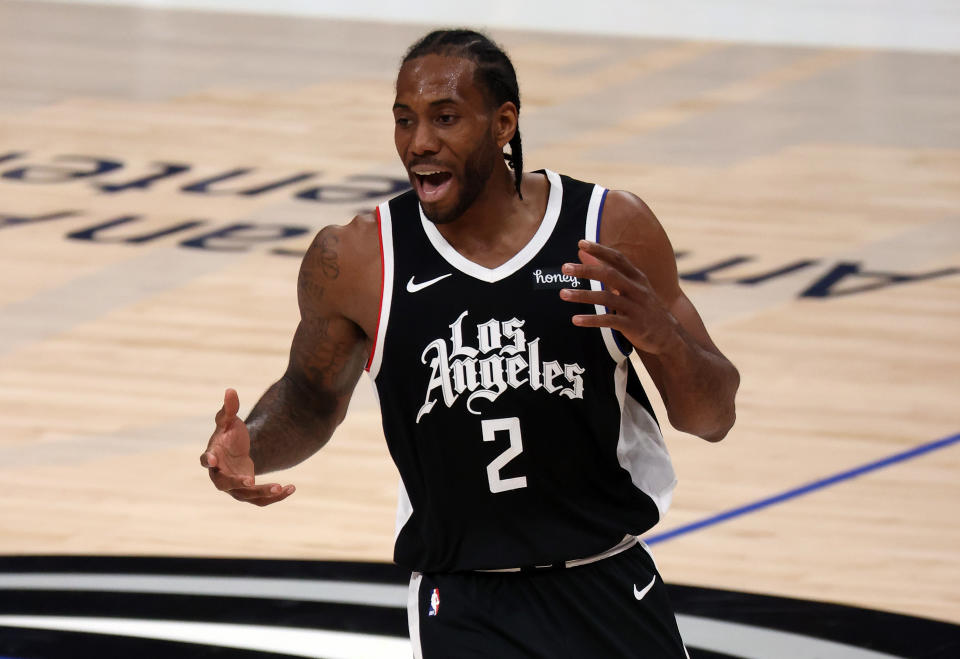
(520, 438)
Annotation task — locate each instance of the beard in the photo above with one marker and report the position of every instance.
(477, 170)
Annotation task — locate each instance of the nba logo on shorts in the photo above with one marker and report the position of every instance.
(434, 602)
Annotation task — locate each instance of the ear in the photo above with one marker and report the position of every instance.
(505, 123)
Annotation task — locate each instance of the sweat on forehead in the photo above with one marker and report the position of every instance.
(440, 75)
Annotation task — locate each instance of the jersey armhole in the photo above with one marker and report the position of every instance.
(617, 346)
(385, 230)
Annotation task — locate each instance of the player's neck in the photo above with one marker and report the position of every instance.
(499, 223)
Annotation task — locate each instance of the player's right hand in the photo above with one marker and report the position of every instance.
(228, 461)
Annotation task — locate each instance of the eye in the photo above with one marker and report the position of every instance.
(403, 122)
(446, 119)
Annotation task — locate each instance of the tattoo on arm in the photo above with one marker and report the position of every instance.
(323, 365)
(321, 264)
(329, 260)
(278, 426)
(297, 415)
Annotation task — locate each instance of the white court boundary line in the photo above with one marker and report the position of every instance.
(318, 643)
(752, 642)
(746, 641)
(307, 590)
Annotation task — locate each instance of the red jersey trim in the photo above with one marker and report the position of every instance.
(383, 283)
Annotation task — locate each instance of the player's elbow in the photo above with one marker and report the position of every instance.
(720, 430)
(726, 413)
(709, 428)
(710, 419)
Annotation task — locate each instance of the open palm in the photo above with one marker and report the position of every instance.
(228, 460)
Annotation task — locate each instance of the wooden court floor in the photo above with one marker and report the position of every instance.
(160, 173)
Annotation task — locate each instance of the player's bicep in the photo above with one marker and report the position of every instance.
(328, 350)
(648, 246)
(644, 241)
(630, 227)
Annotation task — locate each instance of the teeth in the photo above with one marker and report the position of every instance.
(426, 173)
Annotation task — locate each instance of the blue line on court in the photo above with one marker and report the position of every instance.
(803, 489)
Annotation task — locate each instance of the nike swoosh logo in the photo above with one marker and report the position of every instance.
(413, 288)
(640, 594)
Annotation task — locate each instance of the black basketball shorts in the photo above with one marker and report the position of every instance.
(611, 609)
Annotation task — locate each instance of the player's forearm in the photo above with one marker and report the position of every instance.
(288, 425)
(699, 388)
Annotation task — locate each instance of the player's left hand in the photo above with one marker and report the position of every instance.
(633, 308)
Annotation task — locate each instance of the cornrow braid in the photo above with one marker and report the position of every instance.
(494, 72)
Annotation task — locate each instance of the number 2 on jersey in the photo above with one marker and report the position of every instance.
(490, 427)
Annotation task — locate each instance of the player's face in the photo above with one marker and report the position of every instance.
(444, 134)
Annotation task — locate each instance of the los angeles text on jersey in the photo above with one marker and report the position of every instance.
(503, 358)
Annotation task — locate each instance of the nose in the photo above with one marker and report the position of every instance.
(424, 139)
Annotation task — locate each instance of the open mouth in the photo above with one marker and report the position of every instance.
(432, 184)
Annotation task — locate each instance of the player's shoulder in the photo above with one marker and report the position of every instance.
(357, 233)
(342, 259)
(625, 211)
(338, 246)
(629, 226)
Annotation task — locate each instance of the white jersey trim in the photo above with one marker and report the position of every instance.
(520, 259)
(627, 542)
(592, 233)
(386, 295)
(640, 447)
(646, 548)
(404, 509)
(413, 614)
(404, 505)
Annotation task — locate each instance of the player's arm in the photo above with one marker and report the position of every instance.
(297, 415)
(636, 264)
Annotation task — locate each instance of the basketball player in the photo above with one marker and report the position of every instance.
(495, 311)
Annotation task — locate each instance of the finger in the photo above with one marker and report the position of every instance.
(266, 501)
(231, 405)
(259, 491)
(255, 491)
(587, 258)
(226, 481)
(610, 277)
(593, 253)
(606, 298)
(231, 401)
(613, 321)
(603, 253)
(216, 460)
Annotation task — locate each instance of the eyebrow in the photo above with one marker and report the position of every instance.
(442, 101)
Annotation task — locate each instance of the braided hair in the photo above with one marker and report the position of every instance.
(494, 71)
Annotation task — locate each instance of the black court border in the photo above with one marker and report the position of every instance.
(891, 633)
